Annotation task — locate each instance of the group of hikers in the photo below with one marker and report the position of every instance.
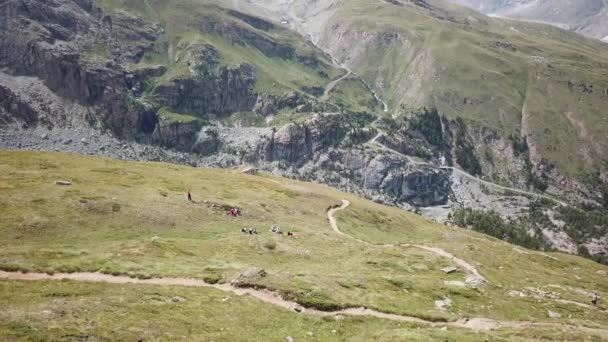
(236, 212)
(273, 229)
(277, 230)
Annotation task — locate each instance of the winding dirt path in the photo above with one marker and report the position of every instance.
(331, 85)
(273, 298)
(473, 276)
(475, 324)
(266, 296)
(462, 173)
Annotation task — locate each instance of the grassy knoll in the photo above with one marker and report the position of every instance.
(133, 218)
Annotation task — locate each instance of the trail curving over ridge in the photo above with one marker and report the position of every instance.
(473, 276)
(477, 324)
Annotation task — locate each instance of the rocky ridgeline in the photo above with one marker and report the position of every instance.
(326, 149)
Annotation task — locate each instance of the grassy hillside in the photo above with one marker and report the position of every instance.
(133, 218)
(518, 78)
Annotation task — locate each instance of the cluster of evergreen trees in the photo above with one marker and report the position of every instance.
(491, 223)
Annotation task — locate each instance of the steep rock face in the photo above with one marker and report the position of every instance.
(180, 136)
(267, 104)
(292, 143)
(223, 92)
(327, 149)
(49, 52)
(28, 102)
(383, 177)
(10, 103)
(296, 143)
(55, 41)
(207, 142)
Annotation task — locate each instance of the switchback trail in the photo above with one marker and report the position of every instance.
(473, 276)
(274, 298)
(349, 72)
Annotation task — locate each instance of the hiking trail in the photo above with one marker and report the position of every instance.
(473, 276)
(462, 173)
(270, 297)
(477, 324)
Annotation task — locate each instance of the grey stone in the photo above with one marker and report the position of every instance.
(449, 270)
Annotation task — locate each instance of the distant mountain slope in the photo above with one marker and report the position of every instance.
(521, 79)
(589, 17)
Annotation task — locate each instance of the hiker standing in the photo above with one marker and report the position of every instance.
(594, 299)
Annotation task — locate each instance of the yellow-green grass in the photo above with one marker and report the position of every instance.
(67, 310)
(353, 94)
(133, 218)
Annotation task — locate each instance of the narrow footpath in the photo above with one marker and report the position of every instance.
(374, 141)
(270, 297)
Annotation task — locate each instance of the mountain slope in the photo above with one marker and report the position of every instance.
(426, 106)
(134, 219)
(522, 79)
(588, 17)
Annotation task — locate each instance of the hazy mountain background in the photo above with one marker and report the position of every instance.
(588, 17)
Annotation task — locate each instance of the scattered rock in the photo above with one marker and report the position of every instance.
(456, 283)
(514, 293)
(442, 304)
(61, 182)
(250, 171)
(535, 293)
(448, 270)
(554, 314)
(249, 276)
(178, 299)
